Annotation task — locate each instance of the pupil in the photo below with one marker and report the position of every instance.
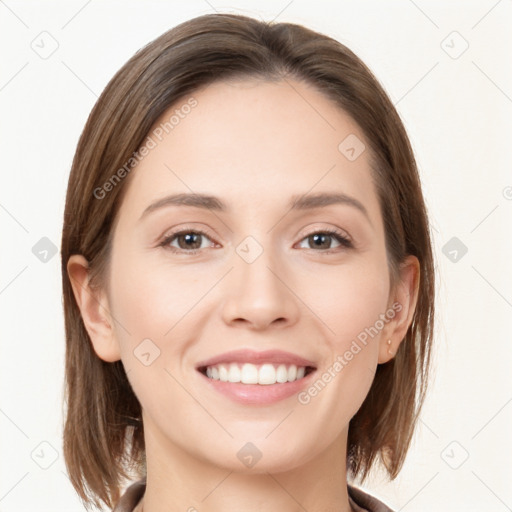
(190, 237)
(320, 238)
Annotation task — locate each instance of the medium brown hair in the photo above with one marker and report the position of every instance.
(103, 431)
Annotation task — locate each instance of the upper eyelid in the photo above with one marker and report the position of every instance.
(187, 229)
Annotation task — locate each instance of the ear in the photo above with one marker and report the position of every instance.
(94, 308)
(403, 302)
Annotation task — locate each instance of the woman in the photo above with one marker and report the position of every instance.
(248, 277)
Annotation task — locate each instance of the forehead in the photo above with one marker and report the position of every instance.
(255, 143)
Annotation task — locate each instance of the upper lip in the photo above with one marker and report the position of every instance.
(256, 357)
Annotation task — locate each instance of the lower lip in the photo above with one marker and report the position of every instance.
(258, 394)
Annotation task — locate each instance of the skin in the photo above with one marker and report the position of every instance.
(253, 144)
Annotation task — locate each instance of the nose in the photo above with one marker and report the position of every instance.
(259, 295)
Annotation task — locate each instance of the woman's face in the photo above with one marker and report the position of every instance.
(242, 270)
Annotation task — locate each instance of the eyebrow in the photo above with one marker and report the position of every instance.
(297, 202)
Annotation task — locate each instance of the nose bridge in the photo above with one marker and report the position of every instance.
(256, 288)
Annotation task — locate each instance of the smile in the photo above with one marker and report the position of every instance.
(263, 374)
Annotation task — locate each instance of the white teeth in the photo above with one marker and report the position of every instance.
(234, 373)
(267, 374)
(282, 373)
(248, 373)
(223, 373)
(292, 373)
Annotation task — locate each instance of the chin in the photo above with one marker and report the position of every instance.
(262, 456)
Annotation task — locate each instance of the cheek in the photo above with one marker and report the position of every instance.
(150, 300)
(352, 311)
(158, 310)
(153, 308)
(350, 301)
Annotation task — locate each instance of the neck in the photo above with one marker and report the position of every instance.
(178, 481)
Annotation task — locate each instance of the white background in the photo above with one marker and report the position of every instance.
(458, 112)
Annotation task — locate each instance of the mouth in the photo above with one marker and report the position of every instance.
(256, 378)
(263, 374)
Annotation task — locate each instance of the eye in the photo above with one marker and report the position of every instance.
(322, 239)
(188, 240)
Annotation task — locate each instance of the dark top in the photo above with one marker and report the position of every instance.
(359, 500)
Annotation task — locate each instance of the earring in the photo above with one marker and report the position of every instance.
(390, 352)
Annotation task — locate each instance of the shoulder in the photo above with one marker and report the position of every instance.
(363, 502)
(131, 497)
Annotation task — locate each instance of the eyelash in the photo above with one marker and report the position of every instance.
(337, 235)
